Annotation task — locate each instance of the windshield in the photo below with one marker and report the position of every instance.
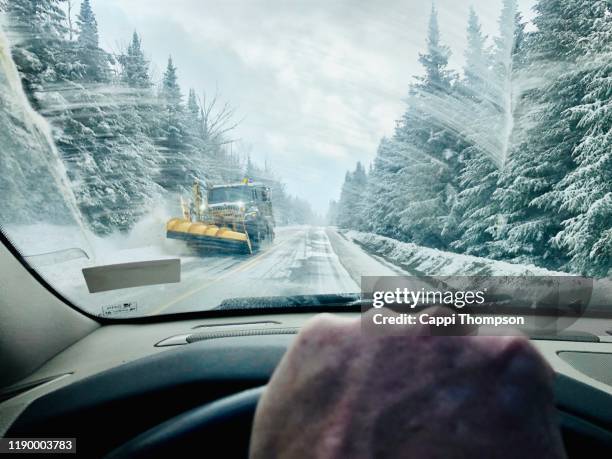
(385, 138)
(234, 194)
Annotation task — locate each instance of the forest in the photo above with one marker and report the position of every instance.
(129, 142)
(508, 158)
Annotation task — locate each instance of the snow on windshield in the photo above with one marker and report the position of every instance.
(469, 134)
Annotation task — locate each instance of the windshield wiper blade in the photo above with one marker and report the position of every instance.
(310, 302)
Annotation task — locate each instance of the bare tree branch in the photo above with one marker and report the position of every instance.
(217, 121)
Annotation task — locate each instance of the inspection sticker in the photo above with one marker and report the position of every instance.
(119, 308)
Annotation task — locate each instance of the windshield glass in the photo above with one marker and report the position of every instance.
(387, 138)
(234, 194)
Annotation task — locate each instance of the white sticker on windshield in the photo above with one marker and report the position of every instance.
(119, 308)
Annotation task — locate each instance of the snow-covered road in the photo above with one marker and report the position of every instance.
(302, 260)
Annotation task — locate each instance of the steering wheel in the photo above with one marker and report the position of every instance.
(221, 428)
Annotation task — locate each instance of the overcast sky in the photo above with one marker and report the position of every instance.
(316, 82)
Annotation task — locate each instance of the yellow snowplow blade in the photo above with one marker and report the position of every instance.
(208, 236)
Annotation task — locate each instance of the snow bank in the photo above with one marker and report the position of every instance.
(424, 261)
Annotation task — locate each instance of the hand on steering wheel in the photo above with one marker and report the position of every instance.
(343, 393)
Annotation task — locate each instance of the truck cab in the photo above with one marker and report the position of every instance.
(254, 199)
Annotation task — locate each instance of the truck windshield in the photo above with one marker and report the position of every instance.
(229, 194)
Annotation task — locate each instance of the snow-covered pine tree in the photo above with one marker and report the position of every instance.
(476, 101)
(473, 213)
(350, 212)
(360, 185)
(586, 192)
(409, 186)
(114, 164)
(435, 61)
(193, 132)
(105, 139)
(177, 171)
(134, 73)
(343, 218)
(105, 133)
(134, 65)
(492, 113)
(88, 27)
(384, 198)
(94, 60)
(197, 147)
(544, 136)
(427, 148)
(37, 31)
(476, 67)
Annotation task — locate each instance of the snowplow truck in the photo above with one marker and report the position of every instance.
(232, 218)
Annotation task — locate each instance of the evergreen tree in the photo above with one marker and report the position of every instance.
(483, 93)
(171, 91)
(475, 216)
(384, 196)
(40, 52)
(531, 123)
(94, 60)
(413, 183)
(506, 52)
(109, 133)
(427, 149)
(106, 135)
(88, 27)
(360, 184)
(351, 205)
(134, 73)
(476, 68)
(111, 161)
(177, 173)
(542, 144)
(586, 192)
(201, 156)
(134, 65)
(437, 76)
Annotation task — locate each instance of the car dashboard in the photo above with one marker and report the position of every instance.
(123, 379)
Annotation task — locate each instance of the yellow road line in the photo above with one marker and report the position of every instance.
(238, 269)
